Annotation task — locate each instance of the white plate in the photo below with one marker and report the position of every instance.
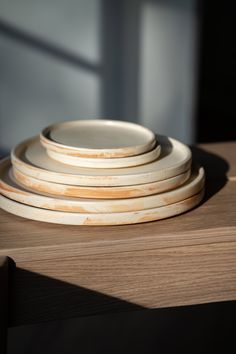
(138, 190)
(107, 163)
(31, 158)
(60, 217)
(98, 138)
(12, 190)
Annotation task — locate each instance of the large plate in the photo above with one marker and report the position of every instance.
(11, 189)
(31, 158)
(98, 138)
(137, 190)
(132, 217)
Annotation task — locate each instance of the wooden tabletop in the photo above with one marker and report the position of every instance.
(64, 271)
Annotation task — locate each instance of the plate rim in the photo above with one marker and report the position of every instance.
(134, 191)
(134, 150)
(100, 180)
(12, 190)
(59, 217)
(119, 162)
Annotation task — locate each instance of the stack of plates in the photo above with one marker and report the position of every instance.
(99, 172)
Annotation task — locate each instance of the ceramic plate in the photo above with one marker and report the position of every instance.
(133, 217)
(138, 190)
(107, 163)
(98, 138)
(31, 158)
(12, 190)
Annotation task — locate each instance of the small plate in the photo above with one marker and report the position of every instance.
(69, 218)
(106, 163)
(98, 138)
(31, 158)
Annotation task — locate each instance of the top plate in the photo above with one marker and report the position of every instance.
(98, 138)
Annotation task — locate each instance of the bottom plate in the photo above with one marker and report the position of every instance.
(60, 217)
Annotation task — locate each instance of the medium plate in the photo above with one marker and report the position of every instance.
(138, 190)
(60, 217)
(98, 138)
(107, 163)
(31, 158)
(10, 188)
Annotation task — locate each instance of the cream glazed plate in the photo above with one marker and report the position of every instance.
(137, 190)
(98, 138)
(31, 158)
(72, 218)
(107, 163)
(12, 190)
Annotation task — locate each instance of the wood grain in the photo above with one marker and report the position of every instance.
(65, 271)
(3, 303)
(87, 285)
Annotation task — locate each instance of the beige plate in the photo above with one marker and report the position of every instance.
(137, 190)
(31, 158)
(98, 138)
(107, 163)
(12, 190)
(132, 217)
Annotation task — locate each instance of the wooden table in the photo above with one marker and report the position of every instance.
(70, 271)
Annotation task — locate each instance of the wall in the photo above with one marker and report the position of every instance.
(63, 60)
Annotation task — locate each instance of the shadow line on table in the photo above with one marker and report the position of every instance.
(216, 169)
(58, 317)
(46, 299)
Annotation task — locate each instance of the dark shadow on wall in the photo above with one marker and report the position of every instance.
(4, 153)
(216, 109)
(120, 47)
